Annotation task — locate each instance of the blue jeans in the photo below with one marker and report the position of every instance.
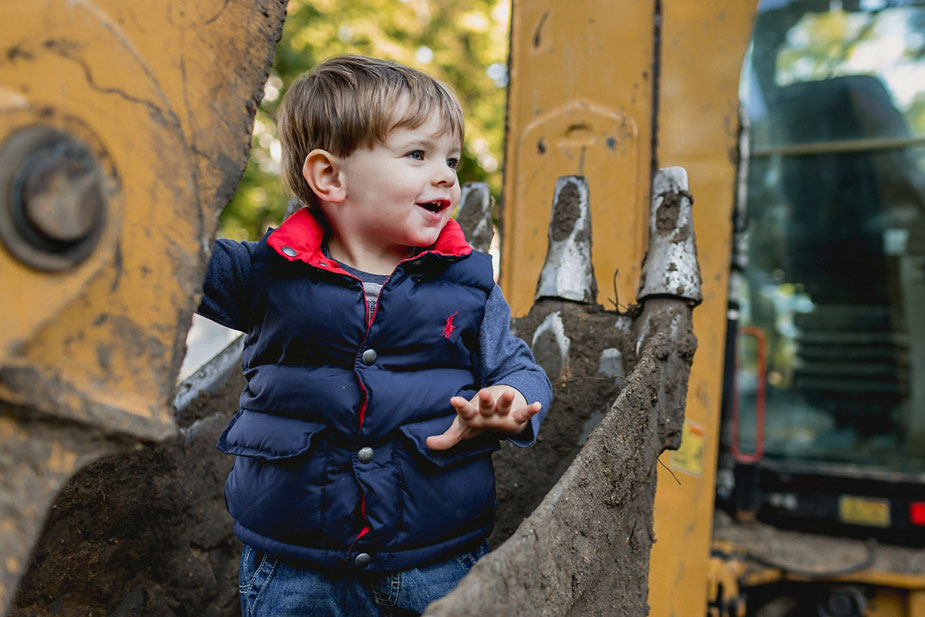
(272, 588)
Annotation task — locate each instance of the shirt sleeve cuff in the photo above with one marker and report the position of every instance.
(528, 436)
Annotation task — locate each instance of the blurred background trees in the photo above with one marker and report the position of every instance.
(461, 42)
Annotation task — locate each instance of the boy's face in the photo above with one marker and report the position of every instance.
(399, 194)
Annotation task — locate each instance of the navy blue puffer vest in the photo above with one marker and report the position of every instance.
(331, 467)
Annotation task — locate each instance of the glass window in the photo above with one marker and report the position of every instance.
(835, 278)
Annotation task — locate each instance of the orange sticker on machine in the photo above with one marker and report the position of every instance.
(689, 457)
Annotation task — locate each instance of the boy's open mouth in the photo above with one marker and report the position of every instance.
(435, 206)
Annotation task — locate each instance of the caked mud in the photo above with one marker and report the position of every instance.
(144, 533)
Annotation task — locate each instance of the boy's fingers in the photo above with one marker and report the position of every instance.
(483, 412)
(463, 407)
(447, 439)
(505, 404)
(458, 402)
(486, 403)
(525, 413)
(441, 442)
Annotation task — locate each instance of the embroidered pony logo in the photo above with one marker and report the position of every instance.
(449, 327)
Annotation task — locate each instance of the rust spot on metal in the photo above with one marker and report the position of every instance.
(104, 356)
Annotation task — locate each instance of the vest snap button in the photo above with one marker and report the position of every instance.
(369, 356)
(362, 560)
(365, 455)
(288, 250)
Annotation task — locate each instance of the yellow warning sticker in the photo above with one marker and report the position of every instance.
(689, 457)
(864, 511)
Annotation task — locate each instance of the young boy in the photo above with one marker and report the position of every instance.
(380, 364)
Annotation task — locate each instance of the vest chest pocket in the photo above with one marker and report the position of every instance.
(266, 491)
(267, 437)
(455, 486)
(418, 432)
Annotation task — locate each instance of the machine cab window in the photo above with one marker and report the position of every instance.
(828, 297)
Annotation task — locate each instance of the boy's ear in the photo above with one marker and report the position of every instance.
(321, 170)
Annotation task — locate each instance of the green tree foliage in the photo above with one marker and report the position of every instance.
(463, 43)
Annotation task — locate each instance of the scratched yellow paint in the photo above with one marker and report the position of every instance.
(579, 103)
(581, 74)
(10, 430)
(144, 86)
(105, 331)
(703, 46)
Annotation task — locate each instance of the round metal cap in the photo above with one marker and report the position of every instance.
(366, 454)
(369, 356)
(54, 196)
(289, 251)
(362, 560)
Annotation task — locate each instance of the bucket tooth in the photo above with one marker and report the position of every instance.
(551, 345)
(670, 268)
(474, 215)
(567, 273)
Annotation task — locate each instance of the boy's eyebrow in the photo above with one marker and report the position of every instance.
(418, 141)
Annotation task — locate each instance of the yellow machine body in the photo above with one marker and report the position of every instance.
(119, 144)
(612, 91)
(594, 93)
(132, 82)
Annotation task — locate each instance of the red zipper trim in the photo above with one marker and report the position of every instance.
(362, 413)
(369, 325)
(366, 528)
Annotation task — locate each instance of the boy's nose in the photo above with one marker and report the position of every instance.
(444, 175)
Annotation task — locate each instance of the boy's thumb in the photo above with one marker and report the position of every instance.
(441, 442)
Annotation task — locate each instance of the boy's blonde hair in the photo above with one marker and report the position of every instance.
(348, 102)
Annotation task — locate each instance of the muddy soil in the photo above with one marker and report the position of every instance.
(814, 553)
(581, 397)
(144, 533)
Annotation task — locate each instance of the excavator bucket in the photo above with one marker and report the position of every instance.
(576, 510)
(124, 129)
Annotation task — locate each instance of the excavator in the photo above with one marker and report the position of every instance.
(793, 485)
(798, 488)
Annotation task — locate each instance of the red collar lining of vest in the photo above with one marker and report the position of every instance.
(303, 235)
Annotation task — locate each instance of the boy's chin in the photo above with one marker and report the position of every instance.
(425, 240)
(418, 246)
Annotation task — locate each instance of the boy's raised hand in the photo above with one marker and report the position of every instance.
(501, 409)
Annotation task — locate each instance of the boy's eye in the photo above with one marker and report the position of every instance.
(417, 155)
(452, 163)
